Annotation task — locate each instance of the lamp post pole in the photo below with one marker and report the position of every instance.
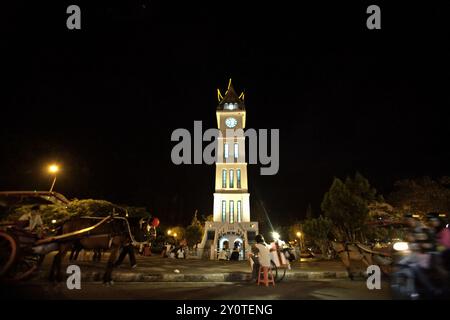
(53, 184)
(299, 235)
(53, 169)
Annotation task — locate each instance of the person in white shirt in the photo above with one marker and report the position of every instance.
(224, 253)
(34, 218)
(261, 255)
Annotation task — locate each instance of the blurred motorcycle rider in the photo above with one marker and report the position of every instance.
(442, 236)
(422, 243)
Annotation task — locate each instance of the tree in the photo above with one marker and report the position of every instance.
(194, 232)
(293, 229)
(52, 214)
(209, 217)
(195, 221)
(421, 196)
(309, 212)
(346, 204)
(318, 231)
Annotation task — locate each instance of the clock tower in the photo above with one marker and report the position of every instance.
(231, 211)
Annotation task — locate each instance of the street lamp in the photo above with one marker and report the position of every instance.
(299, 235)
(275, 236)
(53, 169)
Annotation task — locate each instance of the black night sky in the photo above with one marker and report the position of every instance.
(104, 100)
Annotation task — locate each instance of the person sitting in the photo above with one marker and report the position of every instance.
(260, 255)
(235, 254)
(181, 250)
(224, 253)
(34, 219)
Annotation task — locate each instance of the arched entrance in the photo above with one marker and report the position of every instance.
(231, 238)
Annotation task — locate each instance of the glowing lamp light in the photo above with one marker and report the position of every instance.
(401, 246)
(275, 236)
(53, 221)
(53, 168)
(175, 235)
(299, 234)
(169, 232)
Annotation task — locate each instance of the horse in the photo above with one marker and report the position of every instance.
(76, 249)
(112, 235)
(359, 252)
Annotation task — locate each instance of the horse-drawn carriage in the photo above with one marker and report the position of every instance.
(22, 251)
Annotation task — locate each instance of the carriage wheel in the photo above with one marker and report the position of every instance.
(8, 252)
(278, 273)
(24, 268)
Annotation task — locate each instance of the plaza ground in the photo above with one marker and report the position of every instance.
(158, 269)
(322, 289)
(172, 279)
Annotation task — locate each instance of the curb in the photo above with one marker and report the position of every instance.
(93, 276)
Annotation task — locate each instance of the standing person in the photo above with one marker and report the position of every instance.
(127, 249)
(166, 250)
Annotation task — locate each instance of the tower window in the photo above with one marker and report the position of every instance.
(238, 176)
(236, 150)
(239, 214)
(225, 150)
(224, 178)
(224, 210)
(231, 178)
(231, 211)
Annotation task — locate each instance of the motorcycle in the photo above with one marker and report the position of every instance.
(418, 276)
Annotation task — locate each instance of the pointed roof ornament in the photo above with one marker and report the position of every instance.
(219, 95)
(230, 88)
(230, 100)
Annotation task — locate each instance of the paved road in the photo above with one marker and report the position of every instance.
(328, 289)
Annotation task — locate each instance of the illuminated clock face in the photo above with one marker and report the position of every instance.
(231, 122)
